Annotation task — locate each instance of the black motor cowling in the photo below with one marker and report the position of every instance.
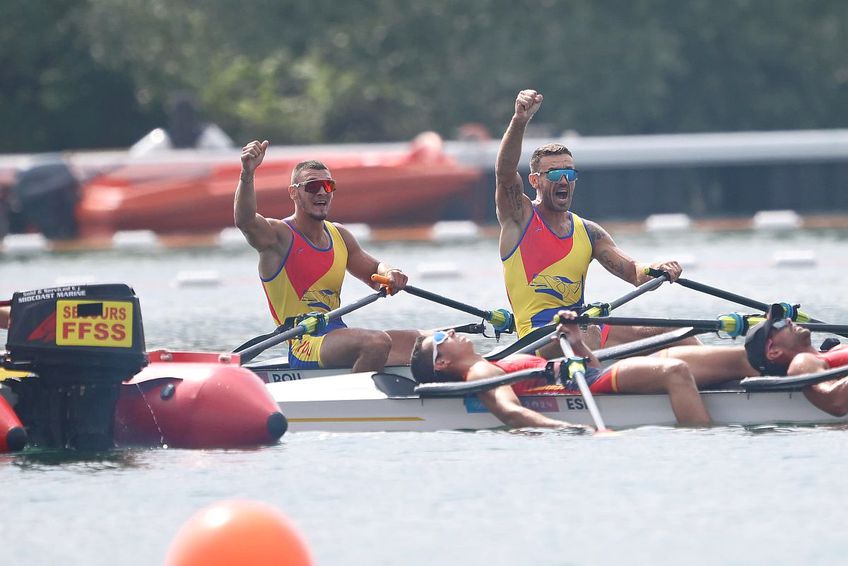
(81, 342)
(44, 196)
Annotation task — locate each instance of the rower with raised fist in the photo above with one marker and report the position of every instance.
(302, 265)
(545, 248)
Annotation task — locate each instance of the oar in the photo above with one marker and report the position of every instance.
(800, 316)
(577, 369)
(463, 388)
(307, 326)
(501, 319)
(645, 346)
(541, 336)
(782, 383)
(732, 324)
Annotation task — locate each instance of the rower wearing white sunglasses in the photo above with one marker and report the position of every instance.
(447, 356)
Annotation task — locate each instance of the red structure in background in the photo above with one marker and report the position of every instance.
(395, 185)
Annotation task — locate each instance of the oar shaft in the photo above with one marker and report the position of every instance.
(640, 290)
(308, 325)
(501, 319)
(722, 294)
(736, 298)
(594, 311)
(447, 302)
(724, 323)
(462, 388)
(657, 322)
(580, 378)
(591, 310)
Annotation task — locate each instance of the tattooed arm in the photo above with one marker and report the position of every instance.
(614, 260)
(611, 256)
(513, 207)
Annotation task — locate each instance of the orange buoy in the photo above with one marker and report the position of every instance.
(238, 532)
(12, 434)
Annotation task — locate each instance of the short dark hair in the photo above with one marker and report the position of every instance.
(311, 164)
(421, 363)
(547, 149)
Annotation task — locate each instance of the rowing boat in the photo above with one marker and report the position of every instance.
(278, 370)
(371, 402)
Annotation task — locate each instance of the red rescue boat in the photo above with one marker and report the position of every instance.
(190, 192)
(12, 434)
(196, 400)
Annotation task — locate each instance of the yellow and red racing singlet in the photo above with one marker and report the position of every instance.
(546, 273)
(309, 278)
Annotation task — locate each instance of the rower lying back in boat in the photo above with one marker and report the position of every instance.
(449, 357)
(778, 346)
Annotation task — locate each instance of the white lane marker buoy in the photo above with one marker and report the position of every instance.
(668, 223)
(362, 232)
(198, 278)
(455, 230)
(24, 243)
(794, 258)
(135, 239)
(437, 270)
(776, 220)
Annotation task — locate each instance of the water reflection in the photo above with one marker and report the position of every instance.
(42, 459)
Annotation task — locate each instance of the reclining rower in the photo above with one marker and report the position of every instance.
(445, 357)
(777, 346)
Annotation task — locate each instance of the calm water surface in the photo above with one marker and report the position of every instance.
(767, 495)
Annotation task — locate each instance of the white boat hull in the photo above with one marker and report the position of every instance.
(277, 370)
(353, 403)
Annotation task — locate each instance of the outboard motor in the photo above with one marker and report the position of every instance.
(45, 195)
(81, 342)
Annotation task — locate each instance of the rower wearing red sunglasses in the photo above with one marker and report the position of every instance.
(545, 248)
(302, 264)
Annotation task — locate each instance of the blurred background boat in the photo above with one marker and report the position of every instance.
(716, 177)
(167, 190)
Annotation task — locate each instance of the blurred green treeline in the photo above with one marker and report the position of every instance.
(100, 73)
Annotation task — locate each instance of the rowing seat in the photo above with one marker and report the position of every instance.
(394, 385)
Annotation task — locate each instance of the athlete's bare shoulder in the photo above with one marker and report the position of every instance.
(596, 233)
